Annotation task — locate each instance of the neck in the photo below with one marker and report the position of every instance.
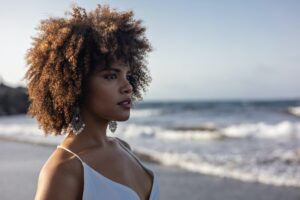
(94, 132)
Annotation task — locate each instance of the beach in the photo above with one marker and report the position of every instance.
(21, 163)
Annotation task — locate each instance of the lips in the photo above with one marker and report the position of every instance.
(126, 101)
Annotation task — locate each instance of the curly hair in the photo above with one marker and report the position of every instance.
(66, 52)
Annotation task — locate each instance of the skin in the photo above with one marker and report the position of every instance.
(61, 177)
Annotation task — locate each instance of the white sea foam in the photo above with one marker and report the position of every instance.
(144, 131)
(243, 130)
(294, 110)
(189, 135)
(191, 162)
(271, 156)
(134, 131)
(263, 130)
(145, 112)
(270, 160)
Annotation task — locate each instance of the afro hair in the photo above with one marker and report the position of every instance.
(66, 52)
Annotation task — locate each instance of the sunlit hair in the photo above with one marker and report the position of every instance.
(66, 52)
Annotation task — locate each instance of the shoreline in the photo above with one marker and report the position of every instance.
(21, 162)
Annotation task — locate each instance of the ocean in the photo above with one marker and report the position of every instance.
(246, 140)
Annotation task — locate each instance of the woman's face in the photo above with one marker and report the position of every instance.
(106, 88)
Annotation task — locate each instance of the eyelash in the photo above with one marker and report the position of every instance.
(130, 76)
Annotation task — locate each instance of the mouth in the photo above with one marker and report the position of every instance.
(126, 103)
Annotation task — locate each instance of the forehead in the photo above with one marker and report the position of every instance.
(117, 66)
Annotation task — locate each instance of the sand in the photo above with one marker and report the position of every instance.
(21, 163)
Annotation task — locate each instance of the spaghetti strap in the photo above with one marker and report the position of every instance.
(94, 180)
(59, 146)
(120, 142)
(136, 158)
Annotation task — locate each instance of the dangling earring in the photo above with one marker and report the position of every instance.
(77, 125)
(112, 126)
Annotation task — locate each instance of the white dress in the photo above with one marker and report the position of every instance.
(98, 187)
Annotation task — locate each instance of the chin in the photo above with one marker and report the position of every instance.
(122, 118)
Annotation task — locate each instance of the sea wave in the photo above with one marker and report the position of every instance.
(283, 129)
(145, 112)
(231, 169)
(263, 152)
(294, 110)
(263, 130)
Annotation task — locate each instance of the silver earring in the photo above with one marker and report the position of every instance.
(77, 125)
(112, 126)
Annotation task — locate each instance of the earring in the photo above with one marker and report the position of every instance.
(112, 126)
(77, 125)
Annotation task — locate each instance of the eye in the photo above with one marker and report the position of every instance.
(109, 76)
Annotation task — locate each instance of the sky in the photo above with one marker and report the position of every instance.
(203, 50)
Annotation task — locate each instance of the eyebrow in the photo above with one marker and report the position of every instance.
(113, 69)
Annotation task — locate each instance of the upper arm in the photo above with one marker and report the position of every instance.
(125, 143)
(58, 182)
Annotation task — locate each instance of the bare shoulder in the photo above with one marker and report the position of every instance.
(61, 177)
(124, 142)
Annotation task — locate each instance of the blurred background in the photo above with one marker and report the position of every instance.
(224, 102)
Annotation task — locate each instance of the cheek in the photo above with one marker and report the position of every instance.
(100, 95)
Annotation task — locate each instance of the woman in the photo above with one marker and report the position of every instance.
(85, 72)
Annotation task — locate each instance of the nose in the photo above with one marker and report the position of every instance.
(127, 87)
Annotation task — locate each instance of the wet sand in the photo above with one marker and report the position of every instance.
(21, 163)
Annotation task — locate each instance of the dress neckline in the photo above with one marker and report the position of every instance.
(144, 167)
(122, 185)
(115, 182)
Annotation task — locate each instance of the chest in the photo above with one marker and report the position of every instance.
(121, 167)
